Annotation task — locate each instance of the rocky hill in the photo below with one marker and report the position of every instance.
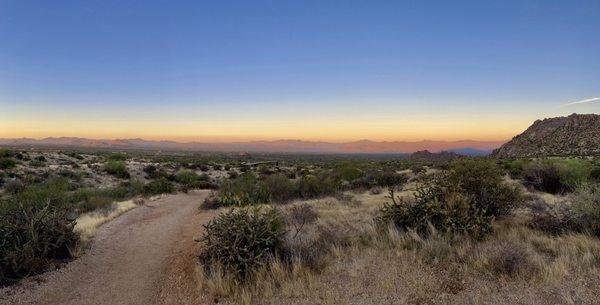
(574, 135)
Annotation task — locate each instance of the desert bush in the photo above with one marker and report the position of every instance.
(94, 203)
(543, 177)
(387, 178)
(188, 179)
(5, 153)
(278, 188)
(159, 186)
(243, 240)
(151, 171)
(585, 210)
(349, 172)
(516, 168)
(35, 231)
(7, 163)
(573, 172)
(117, 157)
(446, 212)
(390, 178)
(464, 200)
(318, 185)
(558, 175)
(582, 215)
(243, 190)
(117, 169)
(482, 181)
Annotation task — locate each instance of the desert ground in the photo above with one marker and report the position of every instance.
(147, 244)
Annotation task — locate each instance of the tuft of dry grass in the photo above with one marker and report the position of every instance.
(87, 223)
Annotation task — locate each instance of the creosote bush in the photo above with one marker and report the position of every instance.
(243, 240)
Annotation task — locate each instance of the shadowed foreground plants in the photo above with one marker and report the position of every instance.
(35, 231)
(581, 215)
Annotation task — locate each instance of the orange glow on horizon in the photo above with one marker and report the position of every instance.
(322, 130)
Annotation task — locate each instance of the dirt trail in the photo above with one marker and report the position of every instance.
(146, 256)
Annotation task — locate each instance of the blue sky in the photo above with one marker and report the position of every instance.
(272, 69)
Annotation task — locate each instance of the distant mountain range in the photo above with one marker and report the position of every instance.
(279, 146)
(574, 135)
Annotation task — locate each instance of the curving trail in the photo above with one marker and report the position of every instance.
(145, 256)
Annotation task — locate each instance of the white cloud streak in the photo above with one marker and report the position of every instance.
(589, 100)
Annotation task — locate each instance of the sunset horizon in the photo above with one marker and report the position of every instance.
(264, 71)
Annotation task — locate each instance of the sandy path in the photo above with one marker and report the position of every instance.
(146, 256)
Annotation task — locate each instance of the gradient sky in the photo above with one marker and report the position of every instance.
(314, 70)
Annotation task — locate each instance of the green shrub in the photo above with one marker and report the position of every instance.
(349, 172)
(453, 213)
(243, 190)
(278, 188)
(7, 163)
(464, 199)
(390, 178)
(117, 169)
(318, 185)
(387, 178)
(516, 168)
(159, 186)
(243, 240)
(87, 199)
(5, 153)
(558, 175)
(117, 157)
(482, 181)
(585, 210)
(188, 179)
(35, 231)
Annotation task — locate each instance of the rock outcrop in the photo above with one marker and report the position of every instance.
(574, 135)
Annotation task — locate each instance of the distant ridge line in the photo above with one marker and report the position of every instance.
(275, 146)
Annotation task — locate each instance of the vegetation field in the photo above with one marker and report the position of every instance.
(326, 229)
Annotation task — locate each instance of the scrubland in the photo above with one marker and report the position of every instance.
(329, 230)
(460, 234)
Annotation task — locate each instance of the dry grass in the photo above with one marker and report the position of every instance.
(359, 265)
(88, 223)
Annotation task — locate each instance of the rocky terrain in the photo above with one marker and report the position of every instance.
(574, 135)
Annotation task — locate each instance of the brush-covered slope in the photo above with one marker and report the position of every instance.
(574, 135)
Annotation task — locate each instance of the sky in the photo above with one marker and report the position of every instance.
(312, 70)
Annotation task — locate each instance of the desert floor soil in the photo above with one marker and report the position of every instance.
(145, 256)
